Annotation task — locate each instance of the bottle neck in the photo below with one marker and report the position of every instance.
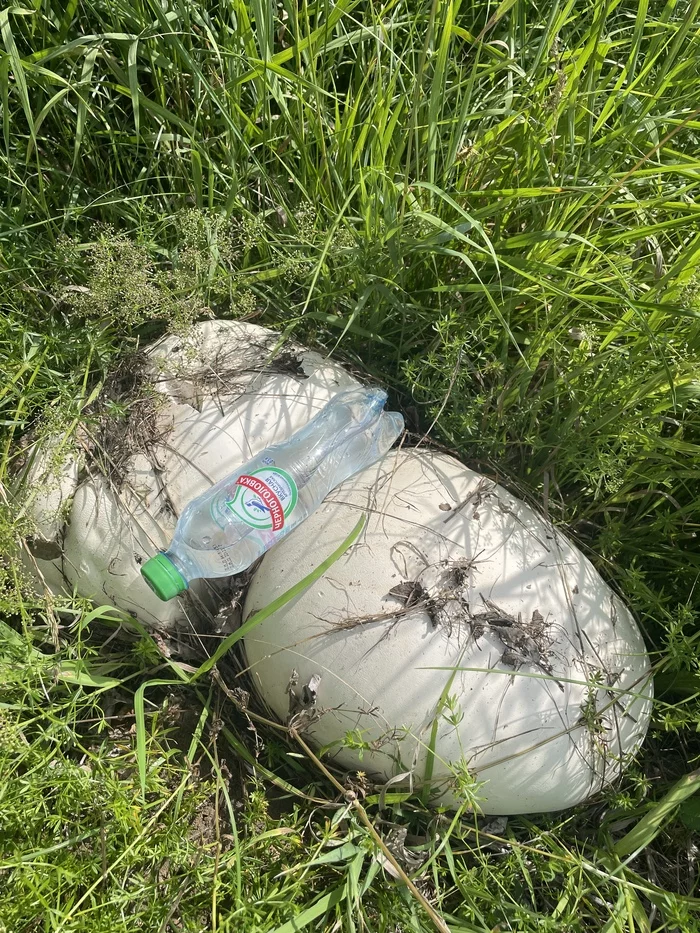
(181, 561)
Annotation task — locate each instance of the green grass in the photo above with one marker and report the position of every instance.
(491, 208)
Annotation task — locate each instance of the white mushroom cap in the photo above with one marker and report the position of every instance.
(498, 628)
(221, 395)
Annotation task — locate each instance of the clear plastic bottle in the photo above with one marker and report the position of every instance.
(225, 529)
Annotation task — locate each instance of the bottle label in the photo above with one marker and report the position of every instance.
(264, 498)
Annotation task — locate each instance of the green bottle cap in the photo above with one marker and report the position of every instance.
(163, 577)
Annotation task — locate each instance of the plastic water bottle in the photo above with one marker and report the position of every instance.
(225, 529)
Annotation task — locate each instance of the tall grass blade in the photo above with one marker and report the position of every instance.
(653, 822)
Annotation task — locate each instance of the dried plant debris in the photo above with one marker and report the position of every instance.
(487, 835)
(483, 491)
(232, 596)
(123, 420)
(302, 701)
(525, 642)
(395, 841)
(443, 593)
(228, 372)
(287, 362)
(410, 592)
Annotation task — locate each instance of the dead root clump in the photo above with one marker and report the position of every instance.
(193, 373)
(442, 591)
(123, 420)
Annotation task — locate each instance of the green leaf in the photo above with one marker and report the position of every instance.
(134, 84)
(342, 853)
(5, 98)
(663, 812)
(13, 638)
(71, 7)
(689, 814)
(140, 718)
(319, 909)
(197, 178)
(85, 79)
(43, 113)
(503, 7)
(104, 613)
(17, 69)
(682, 683)
(87, 675)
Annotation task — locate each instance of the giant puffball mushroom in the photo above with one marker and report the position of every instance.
(203, 404)
(461, 636)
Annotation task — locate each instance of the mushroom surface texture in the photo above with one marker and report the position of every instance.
(461, 637)
(189, 411)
